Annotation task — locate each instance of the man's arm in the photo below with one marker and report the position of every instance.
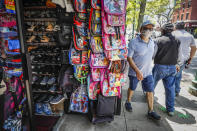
(132, 64)
(193, 50)
(192, 53)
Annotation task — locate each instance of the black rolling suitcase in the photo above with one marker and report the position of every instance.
(102, 110)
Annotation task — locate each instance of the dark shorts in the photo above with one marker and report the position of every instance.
(147, 83)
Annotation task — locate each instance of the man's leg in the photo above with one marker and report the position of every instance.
(133, 85)
(170, 93)
(156, 75)
(148, 86)
(178, 80)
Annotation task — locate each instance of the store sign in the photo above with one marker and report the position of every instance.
(10, 6)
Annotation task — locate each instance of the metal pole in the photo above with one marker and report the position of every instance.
(25, 62)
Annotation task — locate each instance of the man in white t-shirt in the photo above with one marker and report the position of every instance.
(188, 46)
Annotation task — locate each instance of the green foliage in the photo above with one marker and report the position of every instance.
(154, 8)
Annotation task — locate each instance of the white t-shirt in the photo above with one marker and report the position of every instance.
(187, 40)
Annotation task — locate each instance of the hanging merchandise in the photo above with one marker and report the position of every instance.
(79, 100)
(80, 5)
(93, 88)
(10, 6)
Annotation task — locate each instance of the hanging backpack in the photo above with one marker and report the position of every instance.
(79, 100)
(119, 54)
(13, 96)
(80, 17)
(96, 4)
(113, 42)
(96, 73)
(80, 35)
(98, 61)
(93, 88)
(115, 11)
(96, 44)
(80, 71)
(106, 89)
(80, 5)
(78, 57)
(95, 22)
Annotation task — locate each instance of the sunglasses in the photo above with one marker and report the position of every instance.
(150, 29)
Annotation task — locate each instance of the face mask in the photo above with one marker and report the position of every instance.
(147, 33)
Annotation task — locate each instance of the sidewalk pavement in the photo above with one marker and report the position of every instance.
(184, 119)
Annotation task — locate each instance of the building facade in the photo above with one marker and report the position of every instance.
(187, 13)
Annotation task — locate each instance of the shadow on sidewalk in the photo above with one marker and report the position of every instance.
(180, 118)
(186, 103)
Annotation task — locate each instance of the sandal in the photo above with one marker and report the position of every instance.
(44, 39)
(31, 29)
(49, 27)
(31, 39)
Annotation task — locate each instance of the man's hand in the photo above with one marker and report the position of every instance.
(139, 75)
(189, 61)
(177, 68)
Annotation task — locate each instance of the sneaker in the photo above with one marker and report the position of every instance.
(41, 99)
(128, 106)
(44, 80)
(47, 109)
(38, 108)
(171, 113)
(51, 81)
(153, 115)
(53, 88)
(57, 99)
(34, 79)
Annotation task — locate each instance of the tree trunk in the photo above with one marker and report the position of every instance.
(141, 13)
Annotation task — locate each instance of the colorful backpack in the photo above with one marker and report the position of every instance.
(96, 44)
(79, 100)
(80, 42)
(113, 42)
(106, 88)
(95, 22)
(96, 4)
(115, 11)
(118, 66)
(78, 57)
(119, 54)
(93, 88)
(81, 71)
(80, 5)
(98, 61)
(96, 73)
(81, 17)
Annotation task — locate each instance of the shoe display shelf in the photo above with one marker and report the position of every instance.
(48, 65)
(38, 7)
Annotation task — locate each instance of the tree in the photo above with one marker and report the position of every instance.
(141, 13)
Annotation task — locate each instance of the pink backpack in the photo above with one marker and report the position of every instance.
(98, 61)
(106, 88)
(119, 54)
(113, 42)
(96, 73)
(93, 88)
(114, 11)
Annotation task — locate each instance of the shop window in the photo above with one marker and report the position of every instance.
(182, 16)
(189, 3)
(187, 16)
